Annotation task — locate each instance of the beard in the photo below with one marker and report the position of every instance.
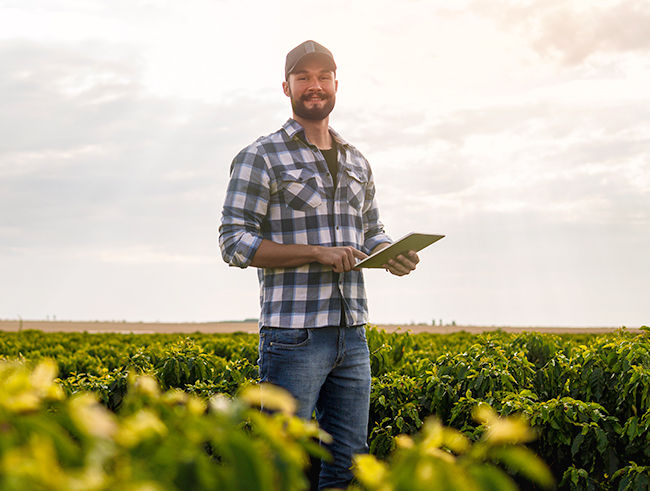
(315, 113)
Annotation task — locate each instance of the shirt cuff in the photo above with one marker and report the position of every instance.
(245, 250)
(374, 241)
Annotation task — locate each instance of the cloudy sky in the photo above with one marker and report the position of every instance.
(520, 130)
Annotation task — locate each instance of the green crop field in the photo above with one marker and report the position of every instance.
(81, 411)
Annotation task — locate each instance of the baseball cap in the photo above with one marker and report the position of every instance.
(308, 48)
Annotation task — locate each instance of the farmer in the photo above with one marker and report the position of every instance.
(300, 206)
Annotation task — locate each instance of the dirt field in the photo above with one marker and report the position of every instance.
(251, 327)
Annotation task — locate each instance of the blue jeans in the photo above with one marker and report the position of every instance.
(327, 370)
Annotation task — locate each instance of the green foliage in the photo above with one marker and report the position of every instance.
(394, 411)
(182, 364)
(587, 396)
(109, 386)
(172, 441)
(573, 431)
(577, 479)
(442, 458)
(633, 478)
(157, 440)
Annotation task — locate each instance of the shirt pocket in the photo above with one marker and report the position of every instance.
(356, 188)
(300, 189)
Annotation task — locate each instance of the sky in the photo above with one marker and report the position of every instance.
(518, 129)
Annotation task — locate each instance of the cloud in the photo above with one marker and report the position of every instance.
(142, 255)
(88, 157)
(558, 162)
(574, 31)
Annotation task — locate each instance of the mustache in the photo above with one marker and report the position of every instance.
(322, 95)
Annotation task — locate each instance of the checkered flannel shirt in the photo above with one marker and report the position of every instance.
(280, 189)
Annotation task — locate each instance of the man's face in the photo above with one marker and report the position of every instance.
(312, 88)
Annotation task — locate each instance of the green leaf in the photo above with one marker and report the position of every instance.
(632, 425)
(576, 444)
(526, 463)
(490, 478)
(574, 477)
(624, 485)
(601, 437)
(554, 424)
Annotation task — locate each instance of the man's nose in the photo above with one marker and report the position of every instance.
(314, 84)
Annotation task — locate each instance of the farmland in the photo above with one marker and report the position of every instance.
(586, 396)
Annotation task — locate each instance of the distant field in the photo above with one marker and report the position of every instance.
(251, 327)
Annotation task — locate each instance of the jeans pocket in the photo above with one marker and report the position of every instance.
(290, 338)
(361, 331)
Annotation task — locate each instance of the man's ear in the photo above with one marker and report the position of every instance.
(286, 89)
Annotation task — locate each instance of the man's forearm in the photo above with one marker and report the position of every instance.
(273, 255)
(380, 246)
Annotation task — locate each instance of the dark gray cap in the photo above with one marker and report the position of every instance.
(308, 48)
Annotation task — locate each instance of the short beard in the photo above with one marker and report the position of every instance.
(314, 114)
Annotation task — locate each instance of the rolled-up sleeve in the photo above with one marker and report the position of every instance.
(245, 208)
(373, 229)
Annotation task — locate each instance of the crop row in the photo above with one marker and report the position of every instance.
(172, 441)
(587, 397)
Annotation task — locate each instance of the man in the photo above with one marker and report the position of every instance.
(300, 206)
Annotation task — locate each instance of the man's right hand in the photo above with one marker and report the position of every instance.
(342, 259)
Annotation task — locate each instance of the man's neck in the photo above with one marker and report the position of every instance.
(316, 132)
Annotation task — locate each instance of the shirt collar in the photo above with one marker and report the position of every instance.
(294, 129)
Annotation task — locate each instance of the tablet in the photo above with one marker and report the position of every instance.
(410, 242)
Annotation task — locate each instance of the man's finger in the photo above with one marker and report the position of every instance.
(402, 265)
(400, 268)
(414, 257)
(393, 269)
(409, 262)
(358, 254)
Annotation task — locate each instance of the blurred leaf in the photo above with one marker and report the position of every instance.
(269, 397)
(526, 463)
(489, 478)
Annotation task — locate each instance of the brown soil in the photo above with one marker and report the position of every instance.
(251, 327)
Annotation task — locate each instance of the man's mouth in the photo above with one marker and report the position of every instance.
(314, 98)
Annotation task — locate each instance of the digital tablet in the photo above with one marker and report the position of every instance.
(410, 242)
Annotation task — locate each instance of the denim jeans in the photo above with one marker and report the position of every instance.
(327, 370)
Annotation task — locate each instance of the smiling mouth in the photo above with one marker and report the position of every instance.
(314, 98)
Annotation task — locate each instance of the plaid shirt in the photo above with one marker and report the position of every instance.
(280, 189)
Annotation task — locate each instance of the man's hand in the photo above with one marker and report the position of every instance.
(402, 264)
(342, 259)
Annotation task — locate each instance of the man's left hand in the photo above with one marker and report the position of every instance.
(402, 264)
